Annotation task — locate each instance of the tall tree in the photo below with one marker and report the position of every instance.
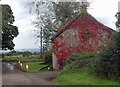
(118, 20)
(9, 31)
(63, 11)
(57, 14)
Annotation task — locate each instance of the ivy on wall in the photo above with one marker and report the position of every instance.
(82, 34)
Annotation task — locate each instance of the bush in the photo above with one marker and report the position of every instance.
(79, 61)
(27, 53)
(108, 62)
(82, 56)
(48, 58)
(10, 53)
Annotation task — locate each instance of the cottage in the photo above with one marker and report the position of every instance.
(83, 33)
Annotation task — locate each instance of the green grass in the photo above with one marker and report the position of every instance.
(79, 72)
(83, 78)
(21, 58)
(34, 62)
(33, 66)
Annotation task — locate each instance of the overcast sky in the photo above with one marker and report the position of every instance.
(103, 10)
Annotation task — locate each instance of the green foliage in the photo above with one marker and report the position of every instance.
(78, 72)
(83, 78)
(66, 10)
(78, 61)
(57, 14)
(27, 53)
(83, 55)
(20, 57)
(11, 53)
(48, 58)
(118, 20)
(108, 62)
(62, 12)
(9, 32)
(79, 69)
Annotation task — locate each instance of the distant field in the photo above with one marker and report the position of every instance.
(30, 58)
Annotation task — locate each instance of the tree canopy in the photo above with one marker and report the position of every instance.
(9, 31)
(118, 20)
(57, 14)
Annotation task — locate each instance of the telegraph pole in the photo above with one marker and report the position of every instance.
(41, 47)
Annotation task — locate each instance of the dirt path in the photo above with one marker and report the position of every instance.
(13, 76)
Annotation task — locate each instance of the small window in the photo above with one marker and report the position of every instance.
(87, 32)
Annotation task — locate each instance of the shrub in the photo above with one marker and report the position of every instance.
(47, 57)
(27, 53)
(79, 61)
(108, 62)
(82, 56)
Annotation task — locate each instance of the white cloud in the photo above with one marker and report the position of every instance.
(108, 21)
(26, 43)
(106, 8)
(104, 11)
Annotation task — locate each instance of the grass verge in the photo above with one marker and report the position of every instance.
(79, 71)
(83, 78)
(33, 66)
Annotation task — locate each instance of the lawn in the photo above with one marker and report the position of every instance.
(82, 78)
(33, 66)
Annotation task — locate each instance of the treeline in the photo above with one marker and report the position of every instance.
(25, 53)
